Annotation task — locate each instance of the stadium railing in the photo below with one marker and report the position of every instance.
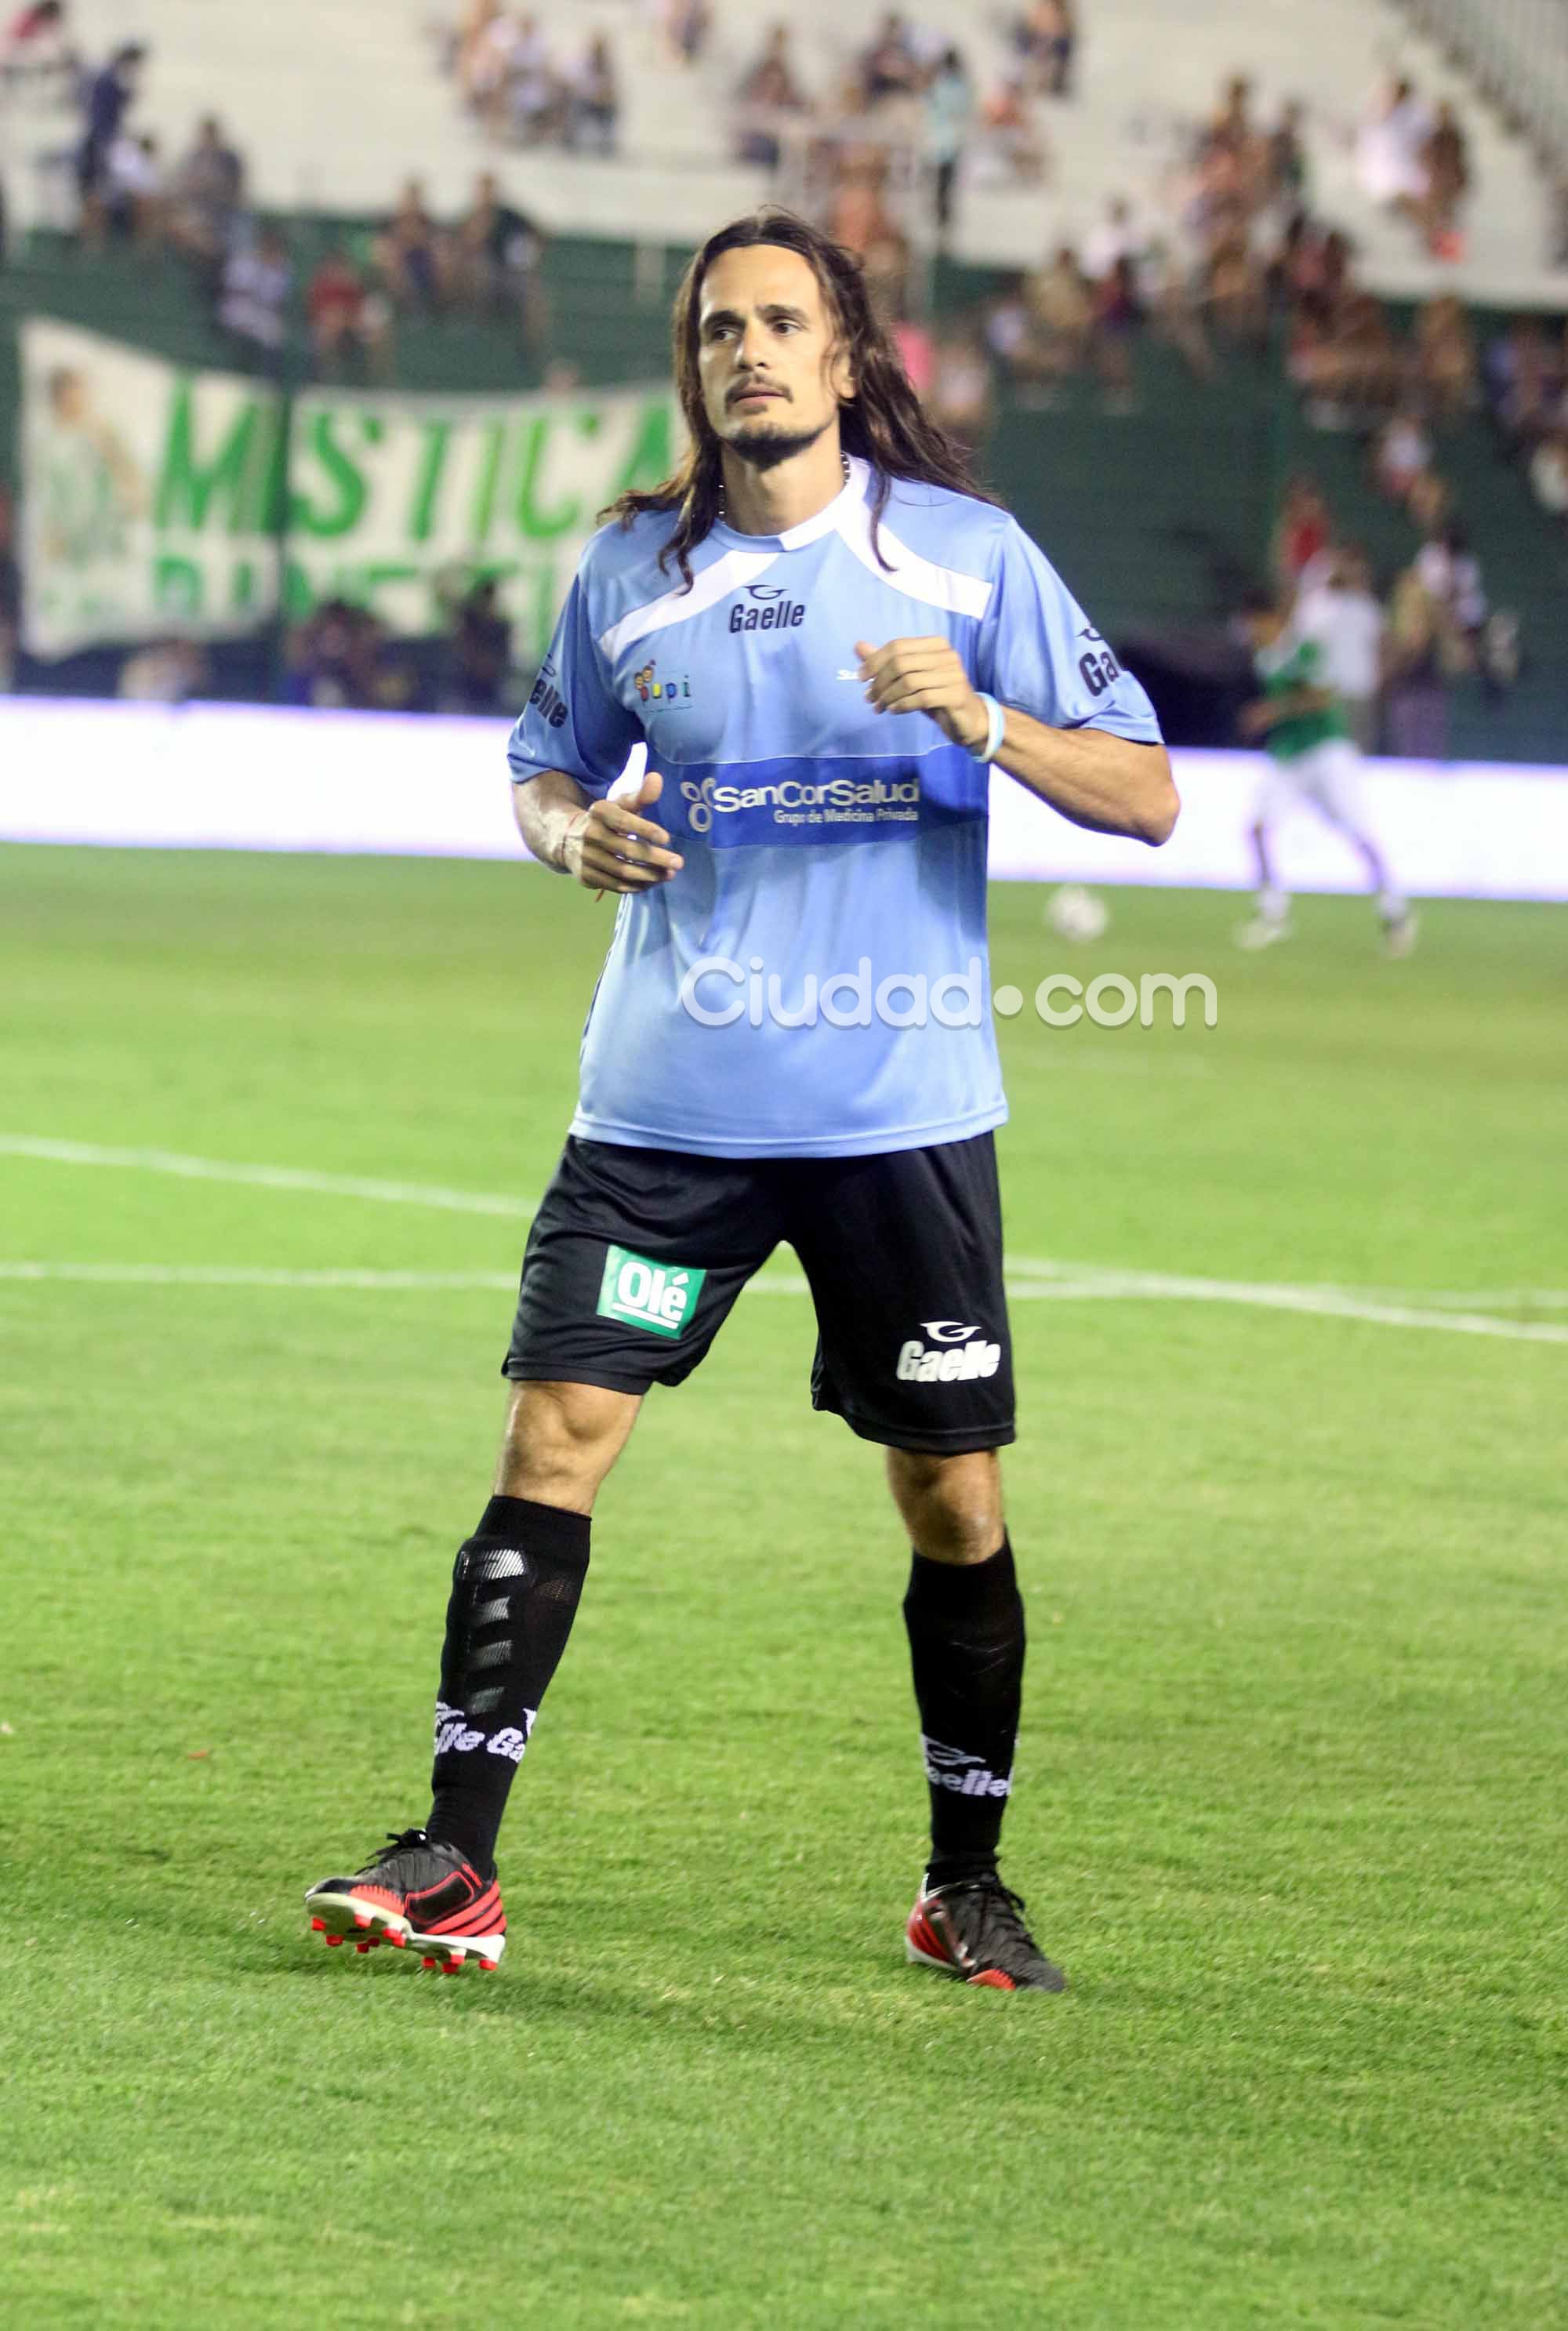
(1516, 50)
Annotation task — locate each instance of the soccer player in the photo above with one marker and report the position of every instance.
(822, 634)
(1313, 763)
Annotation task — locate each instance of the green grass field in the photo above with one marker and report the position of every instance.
(1291, 1804)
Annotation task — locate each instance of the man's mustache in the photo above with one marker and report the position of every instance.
(756, 388)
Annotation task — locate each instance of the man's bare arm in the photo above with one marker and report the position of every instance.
(603, 845)
(1096, 779)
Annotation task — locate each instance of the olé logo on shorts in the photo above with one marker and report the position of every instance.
(658, 1295)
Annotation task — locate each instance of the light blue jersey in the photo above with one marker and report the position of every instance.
(835, 856)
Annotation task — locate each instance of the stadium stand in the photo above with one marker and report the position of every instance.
(1151, 388)
(1145, 73)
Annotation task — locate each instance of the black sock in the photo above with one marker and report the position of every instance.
(966, 1623)
(515, 1590)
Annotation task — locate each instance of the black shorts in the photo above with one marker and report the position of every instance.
(636, 1257)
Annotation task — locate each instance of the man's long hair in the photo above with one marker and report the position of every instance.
(884, 422)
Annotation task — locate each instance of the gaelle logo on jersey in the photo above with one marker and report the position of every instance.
(546, 696)
(956, 1769)
(776, 611)
(660, 692)
(967, 1355)
(1099, 668)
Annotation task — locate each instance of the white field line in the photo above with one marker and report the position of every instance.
(1034, 1279)
(264, 1177)
(1320, 1302)
(223, 1274)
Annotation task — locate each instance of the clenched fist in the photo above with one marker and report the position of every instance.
(609, 847)
(924, 676)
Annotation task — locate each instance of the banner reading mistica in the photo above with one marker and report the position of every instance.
(158, 501)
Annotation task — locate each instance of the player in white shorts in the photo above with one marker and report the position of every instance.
(1312, 762)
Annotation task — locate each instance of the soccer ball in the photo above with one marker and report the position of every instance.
(1077, 914)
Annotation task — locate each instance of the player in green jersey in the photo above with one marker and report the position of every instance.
(1312, 762)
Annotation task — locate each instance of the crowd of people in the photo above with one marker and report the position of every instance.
(909, 86)
(341, 304)
(527, 94)
(1523, 372)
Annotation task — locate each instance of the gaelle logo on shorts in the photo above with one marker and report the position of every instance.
(967, 1355)
(658, 1296)
(956, 1769)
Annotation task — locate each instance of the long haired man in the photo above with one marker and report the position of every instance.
(823, 636)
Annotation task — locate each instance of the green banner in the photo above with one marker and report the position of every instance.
(159, 502)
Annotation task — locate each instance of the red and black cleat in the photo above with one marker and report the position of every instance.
(974, 1931)
(415, 1891)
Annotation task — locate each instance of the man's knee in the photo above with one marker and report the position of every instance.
(951, 1506)
(561, 1441)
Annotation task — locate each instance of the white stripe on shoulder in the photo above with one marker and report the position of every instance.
(905, 570)
(730, 572)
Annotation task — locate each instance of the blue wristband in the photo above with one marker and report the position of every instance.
(995, 723)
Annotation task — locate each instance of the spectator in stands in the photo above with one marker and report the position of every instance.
(1044, 37)
(412, 256)
(1350, 366)
(1115, 238)
(204, 195)
(1061, 311)
(1173, 312)
(1445, 158)
(466, 41)
(1118, 316)
(1402, 452)
(35, 48)
(1235, 291)
(1445, 358)
(860, 219)
(134, 203)
(960, 398)
(949, 108)
(331, 659)
(769, 89)
(10, 591)
(498, 256)
(482, 648)
(488, 48)
(1287, 159)
(1450, 572)
(165, 672)
(1391, 146)
(1342, 613)
(107, 100)
(687, 24)
(1419, 656)
(889, 67)
(1302, 533)
(1522, 383)
(593, 101)
(1549, 474)
(530, 103)
(254, 295)
(348, 321)
(1009, 133)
